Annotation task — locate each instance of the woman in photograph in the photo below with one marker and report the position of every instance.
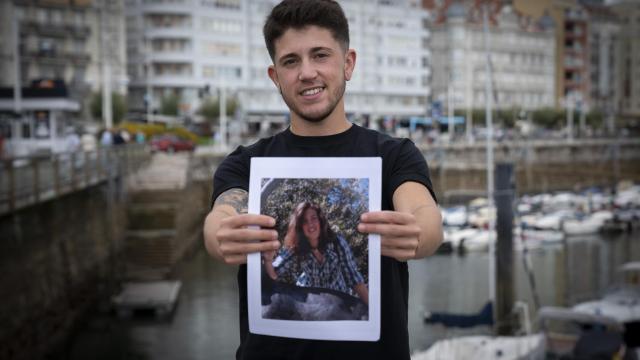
(313, 255)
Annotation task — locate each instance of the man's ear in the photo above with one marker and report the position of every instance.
(349, 64)
(273, 75)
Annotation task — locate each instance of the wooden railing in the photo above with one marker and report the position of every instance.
(26, 181)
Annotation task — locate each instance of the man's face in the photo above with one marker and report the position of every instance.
(311, 70)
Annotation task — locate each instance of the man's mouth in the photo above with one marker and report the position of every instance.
(312, 91)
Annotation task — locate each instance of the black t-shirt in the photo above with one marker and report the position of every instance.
(401, 162)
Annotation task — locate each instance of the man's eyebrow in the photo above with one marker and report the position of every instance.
(320, 48)
(287, 56)
(313, 50)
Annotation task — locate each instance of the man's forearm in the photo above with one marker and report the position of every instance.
(211, 226)
(230, 203)
(430, 222)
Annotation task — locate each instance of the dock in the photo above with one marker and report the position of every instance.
(159, 297)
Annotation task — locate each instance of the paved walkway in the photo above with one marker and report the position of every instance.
(164, 172)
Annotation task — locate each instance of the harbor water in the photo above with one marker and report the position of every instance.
(205, 322)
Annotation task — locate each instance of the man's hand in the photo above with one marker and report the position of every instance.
(227, 232)
(236, 239)
(413, 231)
(269, 256)
(399, 233)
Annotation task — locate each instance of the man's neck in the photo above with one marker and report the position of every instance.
(325, 127)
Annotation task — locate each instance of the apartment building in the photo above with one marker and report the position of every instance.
(58, 49)
(604, 35)
(65, 40)
(572, 84)
(522, 54)
(628, 57)
(180, 47)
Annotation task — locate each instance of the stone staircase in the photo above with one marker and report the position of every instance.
(165, 216)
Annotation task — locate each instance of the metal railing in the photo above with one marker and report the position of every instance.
(25, 181)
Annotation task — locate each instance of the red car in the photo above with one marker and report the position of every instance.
(171, 143)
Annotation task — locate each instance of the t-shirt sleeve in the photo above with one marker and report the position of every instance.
(408, 164)
(233, 172)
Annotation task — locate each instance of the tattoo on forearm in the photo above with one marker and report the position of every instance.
(236, 198)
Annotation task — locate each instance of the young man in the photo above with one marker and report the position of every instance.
(308, 41)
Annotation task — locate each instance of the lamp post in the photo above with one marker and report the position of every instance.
(223, 116)
(17, 85)
(107, 114)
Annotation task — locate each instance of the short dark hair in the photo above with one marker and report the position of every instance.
(297, 14)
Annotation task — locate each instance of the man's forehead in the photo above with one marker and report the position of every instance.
(301, 40)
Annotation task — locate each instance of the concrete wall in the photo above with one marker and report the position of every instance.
(458, 185)
(61, 257)
(56, 259)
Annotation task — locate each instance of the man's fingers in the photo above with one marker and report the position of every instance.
(410, 243)
(244, 235)
(398, 254)
(391, 217)
(235, 259)
(389, 229)
(248, 220)
(234, 248)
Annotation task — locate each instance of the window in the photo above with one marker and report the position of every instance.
(56, 16)
(221, 72)
(223, 4)
(223, 26)
(79, 18)
(221, 49)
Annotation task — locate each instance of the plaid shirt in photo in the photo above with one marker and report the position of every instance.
(338, 271)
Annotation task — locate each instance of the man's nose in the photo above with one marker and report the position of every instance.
(307, 71)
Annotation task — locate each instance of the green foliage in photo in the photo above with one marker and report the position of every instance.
(341, 200)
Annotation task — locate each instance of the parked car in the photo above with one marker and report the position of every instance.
(171, 143)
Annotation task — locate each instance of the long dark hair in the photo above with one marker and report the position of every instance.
(327, 235)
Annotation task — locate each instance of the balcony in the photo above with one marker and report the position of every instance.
(79, 31)
(78, 58)
(54, 57)
(573, 63)
(175, 80)
(172, 7)
(55, 30)
(43, 29)
(169, 33)
(185, 56)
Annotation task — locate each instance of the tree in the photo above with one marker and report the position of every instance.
(118, 106)
(549, 118)
(341, 200)
(170, 105)
(595, 119)
(210, 109)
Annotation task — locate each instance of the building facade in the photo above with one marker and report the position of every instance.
(604, 35)
(182, 47)
(522, 58)
(57, 52)
(573, 82)
(67, 40)
(628, 57)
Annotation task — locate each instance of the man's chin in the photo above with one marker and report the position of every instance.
(314, 117)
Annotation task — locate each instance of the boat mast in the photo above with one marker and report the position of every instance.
(489, 148)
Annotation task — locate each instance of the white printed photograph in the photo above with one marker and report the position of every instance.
(324, 281)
